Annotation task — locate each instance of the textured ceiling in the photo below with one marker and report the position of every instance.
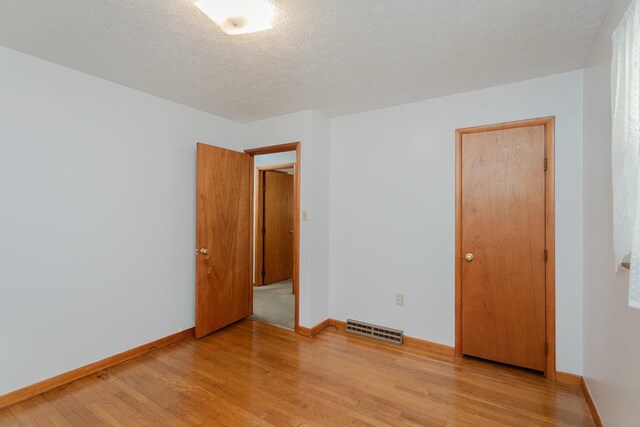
(334, 56)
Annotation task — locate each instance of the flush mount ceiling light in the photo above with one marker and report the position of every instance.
(239, 16)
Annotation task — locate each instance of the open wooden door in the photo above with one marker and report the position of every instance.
(223, 238)
(278, 226)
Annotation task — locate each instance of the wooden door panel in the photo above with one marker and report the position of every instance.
(503, 226)
(278, 225)
(223, 227)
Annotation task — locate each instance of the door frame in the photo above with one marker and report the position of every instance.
(259, 199)
(281, 148)
(550, 266)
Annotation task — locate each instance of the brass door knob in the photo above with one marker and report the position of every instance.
(204, 251)
(469, 257)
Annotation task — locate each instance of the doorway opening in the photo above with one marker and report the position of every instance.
(276, 234)
(273, 291)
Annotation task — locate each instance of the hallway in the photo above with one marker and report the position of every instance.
(275, 304)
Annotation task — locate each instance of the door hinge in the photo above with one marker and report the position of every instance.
(264, 231)
(546, 348)
(264, 188)
(545, 164)
(263, 274)
(546, 255)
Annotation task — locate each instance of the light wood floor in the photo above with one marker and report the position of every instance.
(257, 374)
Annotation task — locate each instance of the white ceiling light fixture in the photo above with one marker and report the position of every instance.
(239, 16)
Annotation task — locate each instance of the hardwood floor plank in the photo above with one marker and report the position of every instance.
(70, 408)
(252, 373)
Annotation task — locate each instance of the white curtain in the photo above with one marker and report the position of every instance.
(625, 87)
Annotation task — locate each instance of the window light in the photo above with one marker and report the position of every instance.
(625, 146)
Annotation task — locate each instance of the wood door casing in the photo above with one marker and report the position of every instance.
(258, 279)
(503, 223)
(281, 148)
(223, 227)
(278, 226)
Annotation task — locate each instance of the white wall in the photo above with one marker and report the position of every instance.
(97, 217)
(312, 130)
(393, 206)
(611, 341)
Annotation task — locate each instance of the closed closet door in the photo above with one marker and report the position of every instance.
(278, 226)
(503, 246)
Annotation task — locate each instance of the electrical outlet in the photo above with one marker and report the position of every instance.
(305, 216)
(399, 299)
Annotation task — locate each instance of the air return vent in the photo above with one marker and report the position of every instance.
(393, 336)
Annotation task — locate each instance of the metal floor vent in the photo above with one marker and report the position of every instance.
(393, 336)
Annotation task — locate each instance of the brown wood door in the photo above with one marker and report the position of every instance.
(223, 238)
(503, 227)
(278, 226)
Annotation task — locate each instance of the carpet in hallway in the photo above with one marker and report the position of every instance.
(274, 304)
